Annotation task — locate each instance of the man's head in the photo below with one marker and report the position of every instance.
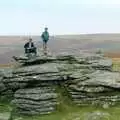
(30, 39)
(46, 29)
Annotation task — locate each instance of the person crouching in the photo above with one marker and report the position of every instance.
(30, 47)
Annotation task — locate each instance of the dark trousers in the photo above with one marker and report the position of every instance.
(31, 50)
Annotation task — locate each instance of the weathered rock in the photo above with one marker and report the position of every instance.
(2, 87)
(87, 77)
(36, 90)
(32, 102)
(96, 87)
(35, 78)
(35, 100)
(103, 78)
(38, 69)
(45, 96)
(36, 75)
(34, 60)
(35, 94)
(89, 89)
(15, 85)
(37, 111)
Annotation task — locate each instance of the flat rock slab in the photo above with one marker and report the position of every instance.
(104, 78)
(36, 94)
(46, 96)
(89, 89)
(27, 79)
(36, 103)
(105, 62)
(44, 68)
(36, 90)
(36, 112)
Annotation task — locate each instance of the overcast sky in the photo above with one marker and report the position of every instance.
(27, 17)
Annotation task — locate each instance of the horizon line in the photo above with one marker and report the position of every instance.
(10, 35)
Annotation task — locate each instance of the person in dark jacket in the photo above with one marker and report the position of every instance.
(30, 47)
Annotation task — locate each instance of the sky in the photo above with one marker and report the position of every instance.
(29, 17)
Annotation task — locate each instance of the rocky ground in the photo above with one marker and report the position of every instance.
(86, 78)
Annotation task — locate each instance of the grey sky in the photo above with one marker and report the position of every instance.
(26, 17)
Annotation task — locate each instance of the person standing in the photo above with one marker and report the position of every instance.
(45, 38)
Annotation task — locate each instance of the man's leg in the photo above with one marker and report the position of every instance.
(27, 51)
(45, 47)
(33, 50)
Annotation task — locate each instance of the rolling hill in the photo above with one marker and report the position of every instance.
(109, 43)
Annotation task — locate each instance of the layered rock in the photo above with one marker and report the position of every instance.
(97, 61)
(88, 79)
(2, 85)
(99, 87)
(36, 75)
(34, 88)
(36, 101)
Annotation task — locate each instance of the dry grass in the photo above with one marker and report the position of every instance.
(116, 64)
(5, 65)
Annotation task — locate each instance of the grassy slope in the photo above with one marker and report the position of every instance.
(72, 113)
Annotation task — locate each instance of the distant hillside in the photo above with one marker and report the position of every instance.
(92, 36)
(13, 45)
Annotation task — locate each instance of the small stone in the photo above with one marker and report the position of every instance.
(105, 106)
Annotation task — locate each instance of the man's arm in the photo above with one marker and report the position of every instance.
(25, 46)
(33, 44)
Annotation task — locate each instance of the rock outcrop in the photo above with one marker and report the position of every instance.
(88, 79)
(36, 101)
(34, 88)
(99, 87)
